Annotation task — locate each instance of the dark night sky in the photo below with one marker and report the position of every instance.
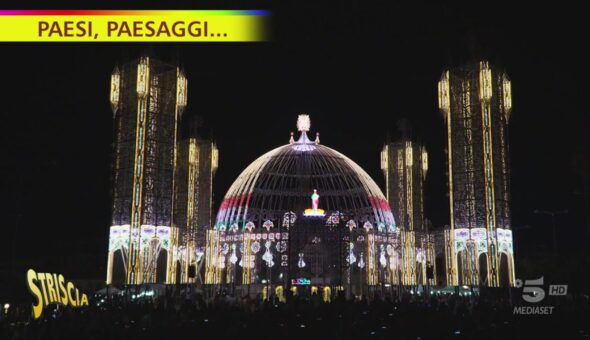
(355, 69)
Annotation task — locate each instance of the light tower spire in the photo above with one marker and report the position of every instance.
(303, 125)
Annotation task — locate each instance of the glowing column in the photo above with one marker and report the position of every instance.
(476, 102)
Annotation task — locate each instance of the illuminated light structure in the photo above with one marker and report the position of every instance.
(476, 103)
(197, 160)
(269, 204)
(314, 210)
(405, 165)
(147, 98)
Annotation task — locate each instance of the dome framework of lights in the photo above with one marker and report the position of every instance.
(304, 214)
(283, 179)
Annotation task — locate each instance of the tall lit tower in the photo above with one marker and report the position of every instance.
(476, 102)
(405, 164)
(197, 162)
(147, 97)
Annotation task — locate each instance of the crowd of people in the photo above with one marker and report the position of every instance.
(226, 316)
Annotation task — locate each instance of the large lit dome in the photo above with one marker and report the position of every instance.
(283, 180)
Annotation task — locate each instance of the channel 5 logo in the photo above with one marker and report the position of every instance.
(533, 291)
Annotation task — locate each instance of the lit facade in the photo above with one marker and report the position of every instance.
(147, 97)
(405, 165)
(303, 217)
(476, 102)
(197, 161)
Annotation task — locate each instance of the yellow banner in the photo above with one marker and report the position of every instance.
(133, 25)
